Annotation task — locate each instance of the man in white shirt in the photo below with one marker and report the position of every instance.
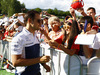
(25, 48)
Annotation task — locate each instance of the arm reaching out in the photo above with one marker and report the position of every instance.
(81, 10)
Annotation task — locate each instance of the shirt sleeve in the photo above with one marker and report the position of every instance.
(75, 46)
(17, 46)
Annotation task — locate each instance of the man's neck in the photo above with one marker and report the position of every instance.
(30, 29)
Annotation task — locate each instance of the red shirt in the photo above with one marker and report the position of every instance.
(5, 34)
(75, 46)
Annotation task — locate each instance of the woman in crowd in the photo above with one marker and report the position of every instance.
(56, 33)
(69, 47)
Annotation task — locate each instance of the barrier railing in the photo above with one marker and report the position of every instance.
(4, 51)
(93, 66)
(60, 63)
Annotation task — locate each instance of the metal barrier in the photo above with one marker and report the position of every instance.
(5, 51)
(60, 63)
(93, 66)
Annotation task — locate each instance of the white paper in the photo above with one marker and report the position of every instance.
(85, 39)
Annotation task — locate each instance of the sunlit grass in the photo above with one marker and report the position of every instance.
(4, 72)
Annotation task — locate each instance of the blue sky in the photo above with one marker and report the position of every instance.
(59, 4)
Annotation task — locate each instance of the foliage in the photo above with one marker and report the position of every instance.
(50, 11)
(58, 12)
(10, 7)
(61, 13)
(55, 11)
(0, 6)
(38, 9)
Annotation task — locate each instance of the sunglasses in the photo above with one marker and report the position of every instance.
(66, 27)
(66, 22)
(81, 24)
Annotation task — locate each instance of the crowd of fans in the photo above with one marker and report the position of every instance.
(10, 26)
(59, 35)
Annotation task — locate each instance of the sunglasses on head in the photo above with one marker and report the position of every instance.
(68, 23)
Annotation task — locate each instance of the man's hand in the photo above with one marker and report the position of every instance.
(46, 67)
(72, 11)
(45, 59)
(81, 10)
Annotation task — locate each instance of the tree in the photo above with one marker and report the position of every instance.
(4, 6)
(38, 9)
(56, 12)
(67, 13)
(23, 9)
(19, 7)
(50, 11)
(0, 6)
(11, 6)
(60, 13)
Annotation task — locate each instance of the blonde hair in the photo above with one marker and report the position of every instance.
(53, 18)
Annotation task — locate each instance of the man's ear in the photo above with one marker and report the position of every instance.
(95, 13)
(29, 20)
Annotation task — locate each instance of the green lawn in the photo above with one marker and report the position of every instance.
(1, 16)
(61, 20)
(4, 72)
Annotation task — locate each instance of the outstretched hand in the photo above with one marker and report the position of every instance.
(72, 11)
(81, 10)
(53, 43)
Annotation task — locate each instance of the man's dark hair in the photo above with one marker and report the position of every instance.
(88, 18)
(92, 9)
(30, 14)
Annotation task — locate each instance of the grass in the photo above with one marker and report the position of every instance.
(61, 20)
(4, 72)
(1, 16)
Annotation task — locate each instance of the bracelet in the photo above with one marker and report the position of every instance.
(58, 45)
